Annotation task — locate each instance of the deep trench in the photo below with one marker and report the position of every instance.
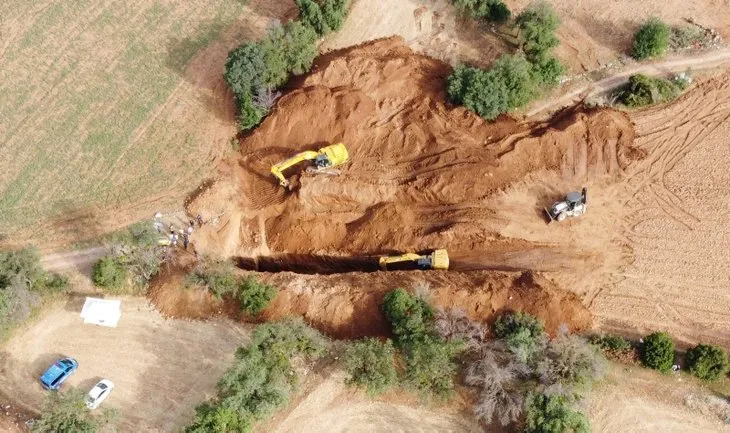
(314, 264)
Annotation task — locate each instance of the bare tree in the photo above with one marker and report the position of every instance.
(500, 378)
(454, 325)
(266, 97)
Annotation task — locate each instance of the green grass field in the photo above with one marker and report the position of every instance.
(82, 87)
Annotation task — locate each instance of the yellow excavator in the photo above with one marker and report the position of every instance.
(323, 161)
(438, 259)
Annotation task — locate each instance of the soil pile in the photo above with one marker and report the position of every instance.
(423, 174)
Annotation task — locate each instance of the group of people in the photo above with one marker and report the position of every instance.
(181, 235)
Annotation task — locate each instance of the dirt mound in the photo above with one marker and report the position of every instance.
(423, 174)
(348, 305)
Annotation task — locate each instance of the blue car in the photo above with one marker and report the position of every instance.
(58, 373)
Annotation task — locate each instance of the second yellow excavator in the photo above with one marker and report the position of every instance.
(323, 160)
(438, 259)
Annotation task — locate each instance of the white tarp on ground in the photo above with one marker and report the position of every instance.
(104, 312)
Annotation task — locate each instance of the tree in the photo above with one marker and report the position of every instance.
(482, 92)
(370, 364)
(254, 295)
(651, 40)
(501, 379)
(644, 90)
(551, 414)
(491, 10)
(311, 15)
(109, 273)
(411, 317)
(66, 412)
(430, 366)
(569, 365)
(658, 351)
(521, 332)
(454, 325)
(216, 275)
(708, 362)
(334, 12)
(299, 46)
(515, 73)
(537, 24)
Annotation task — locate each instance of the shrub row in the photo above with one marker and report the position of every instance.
(705, 361)
(261, 379)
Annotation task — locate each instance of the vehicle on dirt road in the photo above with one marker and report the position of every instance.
(574, 204)
(99, 393)
(58, 373)
(438, 259)
(323, 160)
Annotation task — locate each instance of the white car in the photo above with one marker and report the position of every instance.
(99, 393)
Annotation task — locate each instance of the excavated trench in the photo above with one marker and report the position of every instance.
(309, 264)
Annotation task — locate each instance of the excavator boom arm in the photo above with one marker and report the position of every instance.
(278, 169)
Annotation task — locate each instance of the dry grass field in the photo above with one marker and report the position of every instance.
(107, 107)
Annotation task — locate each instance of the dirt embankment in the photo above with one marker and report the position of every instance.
(349, 305)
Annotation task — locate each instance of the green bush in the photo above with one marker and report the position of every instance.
(611, 342)
(537, 24)
(657, 351)
(651, 40)
(370, 364)
(254, 295)
(491, 10)
(518, 322)
(643, 90)
(261, 378)
(411, 317)
(66, 412)
(255, 67)
(323, 16)
(218, 276)
(708, 362)
(551, 414)
(430, 366)
(109, 273)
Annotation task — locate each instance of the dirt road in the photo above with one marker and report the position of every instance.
(707, 60)
(162, 368)
(80, 260)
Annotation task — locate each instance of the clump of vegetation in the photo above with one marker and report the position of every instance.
(255, 70)
(218, 276)
(254, 295)
(66, 412)
(133, 260)
(521, 332)
(552, 414)
(513, 80)
(537, 24)
(611, 343)
(323, 16)
(370, 364)
(23, 282)
(430, 365)
(261, 379)
(109, 273)
(490, 10)
(410, 317)
(708, 362)
(644, 90)
(687, 37)
(523, 362)
(651, 40)
(657, 351)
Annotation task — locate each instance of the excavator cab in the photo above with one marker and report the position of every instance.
(322, 161)
(438, 259)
